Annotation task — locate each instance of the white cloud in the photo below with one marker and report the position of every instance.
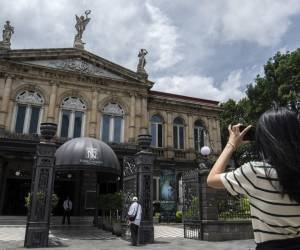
(202, 86)
(190, 44)
(261, 21)
(162, 36)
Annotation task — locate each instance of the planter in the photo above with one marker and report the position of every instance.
(144, 141)
(107, 225)
(48, 130)
(117, 228)
(155, 220)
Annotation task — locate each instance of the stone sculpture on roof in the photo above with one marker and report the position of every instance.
(81, 23)
(142, 62)
(6, 35)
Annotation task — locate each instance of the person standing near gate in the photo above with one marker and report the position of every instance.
(134, 217)
(67, 205)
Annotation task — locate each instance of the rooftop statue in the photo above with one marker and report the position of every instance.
(6, 35)
(81, 23)
(142, 59)
(142, 62)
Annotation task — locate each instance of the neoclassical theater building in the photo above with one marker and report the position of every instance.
(89, 96)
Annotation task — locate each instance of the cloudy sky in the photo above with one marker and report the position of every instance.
(203, 48)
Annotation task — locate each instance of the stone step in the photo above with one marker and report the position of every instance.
(55, 220)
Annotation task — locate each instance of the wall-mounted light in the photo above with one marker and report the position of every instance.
(69, 176)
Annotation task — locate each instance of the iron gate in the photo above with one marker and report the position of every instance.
(129, 183)
(191, 211)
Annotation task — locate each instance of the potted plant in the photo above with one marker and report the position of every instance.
(117, 203)
(41, 196)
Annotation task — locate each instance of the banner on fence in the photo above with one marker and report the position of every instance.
(168, 194)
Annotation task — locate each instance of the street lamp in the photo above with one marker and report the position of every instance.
(205, 152)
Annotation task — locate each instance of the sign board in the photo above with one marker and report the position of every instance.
(168, 193)
(90, 199)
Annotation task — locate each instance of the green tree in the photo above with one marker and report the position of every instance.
(280, 84)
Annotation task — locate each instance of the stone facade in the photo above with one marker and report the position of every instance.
(59, 73)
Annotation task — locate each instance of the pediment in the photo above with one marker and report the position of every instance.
(76, 65)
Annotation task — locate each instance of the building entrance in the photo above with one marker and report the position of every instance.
(14, 201)
(64, 189)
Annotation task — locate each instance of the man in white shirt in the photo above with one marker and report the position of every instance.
(134, 216)
(67, 205)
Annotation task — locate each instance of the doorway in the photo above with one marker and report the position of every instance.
(64, 189)
(14, 201)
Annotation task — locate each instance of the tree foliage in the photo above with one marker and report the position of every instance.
(280, 84)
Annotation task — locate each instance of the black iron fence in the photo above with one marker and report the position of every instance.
(208, 214)
(234, 208)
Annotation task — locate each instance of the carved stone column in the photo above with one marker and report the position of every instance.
(190, 136)
(144, 122)
(93, 120)
(5, 101)
(144, 164)
(52, 103)
(38, 220)
(170, 151)
(132, 119)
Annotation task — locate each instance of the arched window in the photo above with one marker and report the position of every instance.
(28, 112)
(178, 133)
(112, 126)
(72, 117)
(157, 131)
(199, 132)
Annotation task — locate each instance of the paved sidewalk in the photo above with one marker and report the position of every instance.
(90, 238)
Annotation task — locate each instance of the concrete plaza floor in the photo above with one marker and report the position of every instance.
(89, 238)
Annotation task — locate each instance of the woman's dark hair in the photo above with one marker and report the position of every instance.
(278, 141)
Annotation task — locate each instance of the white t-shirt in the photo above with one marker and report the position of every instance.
(67, 205)
(136, 208)
(274, 217)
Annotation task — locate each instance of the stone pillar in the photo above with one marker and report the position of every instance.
(190, 138)
(144, 122)
(52, 103)
(132, 119)
(93, 120)
(144, 164)
(5, 101)
(2, 180)
(169, 130)
(38, 219)
(209, 204)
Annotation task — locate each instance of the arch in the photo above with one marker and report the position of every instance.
(113, 99)
(179, 121)
(72, 116)
(30, 87)
(200, 134)
(200, 120)
(30, 97)
(157, 131)
(155, 112)
(112, 122)
(113, 108)
(179, 133)
(73, 103)
(28, 110)
(74, 93)
(157, 118)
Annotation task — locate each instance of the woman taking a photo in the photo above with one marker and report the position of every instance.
(272, 185)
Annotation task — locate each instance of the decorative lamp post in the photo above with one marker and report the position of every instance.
(38, 219)
(205, 152)
(144, 165)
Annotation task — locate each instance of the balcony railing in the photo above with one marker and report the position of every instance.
(158, 152)
(179, 154)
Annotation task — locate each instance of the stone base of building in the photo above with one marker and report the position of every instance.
(227, 230)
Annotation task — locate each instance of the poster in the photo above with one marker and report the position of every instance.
(168, 193)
